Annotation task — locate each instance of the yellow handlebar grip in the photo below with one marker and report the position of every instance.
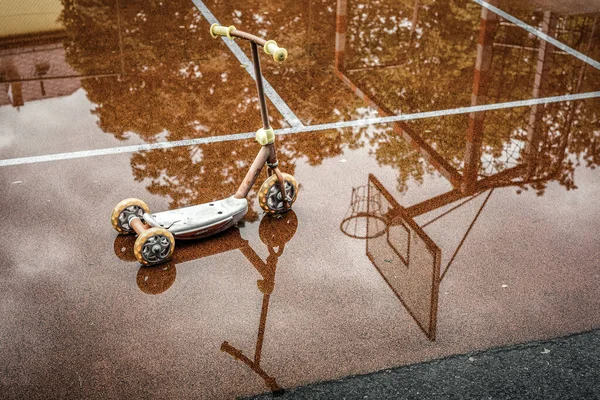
(279, 53)
(217, 30)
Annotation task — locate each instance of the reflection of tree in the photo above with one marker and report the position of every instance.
(433, 69)
(178, 83)
(91, 28)
(306, 29)
(169, 84)
(570, 140)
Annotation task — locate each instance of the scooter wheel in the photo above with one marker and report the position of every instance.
(154, 246)
(270, 197)
(122, 212)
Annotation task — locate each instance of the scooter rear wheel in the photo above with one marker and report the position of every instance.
(270, 197)
(154, 246)
(122, 211)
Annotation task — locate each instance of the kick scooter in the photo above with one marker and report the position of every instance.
(157, 232)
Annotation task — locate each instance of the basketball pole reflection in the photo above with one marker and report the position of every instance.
(274, 232)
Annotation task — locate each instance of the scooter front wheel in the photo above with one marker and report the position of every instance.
(154, 246)
(270, 197)
(122, 212)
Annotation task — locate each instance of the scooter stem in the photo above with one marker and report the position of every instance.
(272, 158)
(261, 158)
(259, 86)
(264, 136)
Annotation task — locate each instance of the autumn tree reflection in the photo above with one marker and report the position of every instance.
(169, 88)
(409, 56)
(419, 56)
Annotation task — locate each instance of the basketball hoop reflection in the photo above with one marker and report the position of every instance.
(364, 205)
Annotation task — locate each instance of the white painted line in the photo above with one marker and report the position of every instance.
(452, 111)
(277, 101)
(434, 114)
(539, 34)
(125, 149)
(300, 129)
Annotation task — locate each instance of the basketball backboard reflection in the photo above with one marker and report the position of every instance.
(405, 256)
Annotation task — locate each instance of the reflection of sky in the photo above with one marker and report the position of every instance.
(49, 111)
(49, 117)
(53, 125)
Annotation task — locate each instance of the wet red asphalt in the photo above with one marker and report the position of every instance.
(277, 303)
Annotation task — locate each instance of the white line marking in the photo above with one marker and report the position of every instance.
(540, 34)
(300, 129)
(452, 111)
(124, 149)
(277, 101)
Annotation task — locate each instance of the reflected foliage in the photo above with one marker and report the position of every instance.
(429, 61)
(177, 83)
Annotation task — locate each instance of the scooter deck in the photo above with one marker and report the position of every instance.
(200, 220)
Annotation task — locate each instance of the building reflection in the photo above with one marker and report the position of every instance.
(33, 63)
(50, 75)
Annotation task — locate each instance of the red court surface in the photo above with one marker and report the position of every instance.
(411, 239)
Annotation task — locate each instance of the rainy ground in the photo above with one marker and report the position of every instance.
(445, 155)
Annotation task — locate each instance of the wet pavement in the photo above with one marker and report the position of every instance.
(409, 241)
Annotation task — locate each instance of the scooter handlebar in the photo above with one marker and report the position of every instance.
(217, 30)
(270, 46)
(279, 53)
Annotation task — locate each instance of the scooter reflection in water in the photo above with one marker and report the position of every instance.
(274, 232)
